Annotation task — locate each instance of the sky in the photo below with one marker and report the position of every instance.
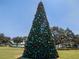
(16, 16)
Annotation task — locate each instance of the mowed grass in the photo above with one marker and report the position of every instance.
(14, 53)
(68, 54)
(10, 53)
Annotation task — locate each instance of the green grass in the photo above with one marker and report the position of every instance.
(69, 54)
(13, 53)
(10, 53)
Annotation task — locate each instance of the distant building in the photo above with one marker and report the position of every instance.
(20, 45)
(77, 45)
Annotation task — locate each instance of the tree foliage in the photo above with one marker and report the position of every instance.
(4, 40)
(64, 36)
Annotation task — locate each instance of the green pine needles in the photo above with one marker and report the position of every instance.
(40, 44)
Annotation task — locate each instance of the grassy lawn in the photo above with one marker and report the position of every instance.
(69, 54)
(10, 53)
(13, 53)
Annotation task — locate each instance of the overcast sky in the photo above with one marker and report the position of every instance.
(16, 16)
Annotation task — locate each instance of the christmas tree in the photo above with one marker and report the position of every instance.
(40, 44)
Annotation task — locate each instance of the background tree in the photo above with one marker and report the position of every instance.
(4, 40)
(58, 34)
(17, 40)
(1, 38)
(76, 41)
(64, 37)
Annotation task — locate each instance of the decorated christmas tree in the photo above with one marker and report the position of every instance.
(40, 44)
